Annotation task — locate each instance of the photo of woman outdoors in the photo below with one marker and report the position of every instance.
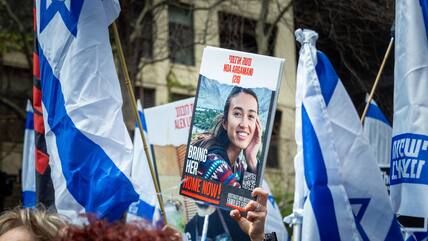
(234, 138)
(230, 129)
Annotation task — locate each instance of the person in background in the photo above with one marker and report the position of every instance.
(102, 230)
(30, 225)
(252, 224)
(39, 225)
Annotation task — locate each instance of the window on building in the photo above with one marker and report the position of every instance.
(239, 33)
(181, 34)
(147, 37)
(273, 154)
(175, 96)
(148, 97)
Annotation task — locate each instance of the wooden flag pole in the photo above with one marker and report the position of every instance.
(137, 116)
(385, 58)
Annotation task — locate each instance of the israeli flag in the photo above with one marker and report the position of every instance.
(409, 154)
(89, 146)
(274, 221)
(416, 236)
(378, 131)
(147, 207)
(327, 211)
(347, 198)
(28, 171)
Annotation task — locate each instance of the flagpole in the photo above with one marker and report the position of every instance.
(297, 232)
(385, 58)
(128, 84)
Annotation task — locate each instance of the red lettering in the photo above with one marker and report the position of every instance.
(219, 192)
(183, 110)
(247, 61)
(192, 183)
(227, 68)
(180, 123)
(210, 189)
(235, 59)
(232, 59)
(188, 121)
(236, 79)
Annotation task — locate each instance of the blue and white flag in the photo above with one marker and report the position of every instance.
(28, 171)
(147, 207)
(409, 154)
(327, 211)
(416, 236)
(340, 168)
(274, 221)
(89, 146)
(378, 131)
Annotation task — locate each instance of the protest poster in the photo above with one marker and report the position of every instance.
(168, 130)
(231, 126)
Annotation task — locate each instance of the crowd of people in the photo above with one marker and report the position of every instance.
(24, 224)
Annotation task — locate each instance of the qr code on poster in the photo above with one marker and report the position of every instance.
(249, 181)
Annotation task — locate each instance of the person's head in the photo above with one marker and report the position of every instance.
(240, 116)
(103, 230)
(30, 225)
(237, 120)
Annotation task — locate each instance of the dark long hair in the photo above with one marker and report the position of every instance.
(217, 140)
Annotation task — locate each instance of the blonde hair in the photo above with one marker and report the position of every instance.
(41, 224)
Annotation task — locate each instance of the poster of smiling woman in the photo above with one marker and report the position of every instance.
(231, 126)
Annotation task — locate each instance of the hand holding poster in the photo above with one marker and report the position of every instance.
(231, 126)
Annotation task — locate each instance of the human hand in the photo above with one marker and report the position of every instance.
(254, 146)
(254, 223)
(172, 233)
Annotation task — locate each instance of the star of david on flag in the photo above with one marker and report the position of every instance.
(89, 146)
(345, 195)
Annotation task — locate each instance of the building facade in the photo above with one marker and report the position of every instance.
(169, 70)
(173, 41)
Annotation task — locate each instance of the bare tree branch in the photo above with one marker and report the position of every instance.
(355, 35)
(22, 33)
(148, 7)
(261, 38)
(211, 7)
(13, 106)
(279, 17)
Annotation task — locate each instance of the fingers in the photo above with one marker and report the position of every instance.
(235, 214)
(259, 127)
(261, 195)
(172, 233)
(255, 211)
(255, 206)
(256, 216)
(243, 223)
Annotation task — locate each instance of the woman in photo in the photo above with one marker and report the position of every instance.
(236, 135)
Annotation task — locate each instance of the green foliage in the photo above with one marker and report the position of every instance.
(12, 41)
(283, 197)
(16, 20)
(286, 206)
(204, 119)
(173, 82)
